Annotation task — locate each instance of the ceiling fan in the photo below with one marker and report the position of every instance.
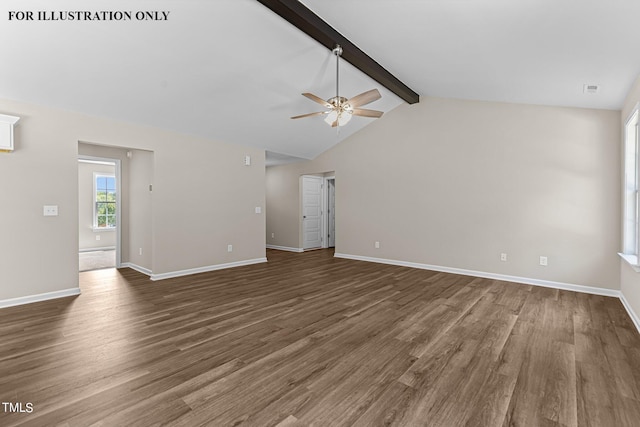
(340, 109)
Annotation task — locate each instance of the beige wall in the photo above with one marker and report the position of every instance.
(630, 280)
(203, 199)
(87, 236)
(283, 205)
(454, 183)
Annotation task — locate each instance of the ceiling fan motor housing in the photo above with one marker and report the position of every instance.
(339, 101)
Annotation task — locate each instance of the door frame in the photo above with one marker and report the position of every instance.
(325, 210)
(118, 201)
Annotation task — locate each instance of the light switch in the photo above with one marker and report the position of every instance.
(258, 209)
(50, 210)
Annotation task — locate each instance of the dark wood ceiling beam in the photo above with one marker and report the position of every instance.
(311, 24)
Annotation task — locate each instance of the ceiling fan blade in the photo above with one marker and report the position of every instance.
(317, 99)
(364, 98)
(319, 113)
(367, 113)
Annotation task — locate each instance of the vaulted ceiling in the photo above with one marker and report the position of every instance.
(233, 70)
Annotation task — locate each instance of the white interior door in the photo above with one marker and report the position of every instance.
(311, 211)
(332, 212)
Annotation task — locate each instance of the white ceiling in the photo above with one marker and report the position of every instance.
(232, 70)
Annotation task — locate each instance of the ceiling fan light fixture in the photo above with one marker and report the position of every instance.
(344, 117)
(331, 117)
(341, 112)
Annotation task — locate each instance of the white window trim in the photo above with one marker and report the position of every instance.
(631, 258)
(95, 217)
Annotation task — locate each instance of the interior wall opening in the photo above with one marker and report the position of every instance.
(318, 205)
(99, 207)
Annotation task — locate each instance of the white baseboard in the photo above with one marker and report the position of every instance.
(137, 268)
(483, 274)
(285, 248)
(205, 269)
(106, 248)
(632, 314)
(39, 297)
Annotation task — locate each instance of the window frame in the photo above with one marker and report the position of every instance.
(631, 190)
(96, 227)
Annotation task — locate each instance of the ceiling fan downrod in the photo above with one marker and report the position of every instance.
(337, 51)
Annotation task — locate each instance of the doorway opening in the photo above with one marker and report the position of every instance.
(99, 207)
(318, 197)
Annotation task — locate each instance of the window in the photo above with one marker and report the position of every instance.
(630, 221)
(104, 201)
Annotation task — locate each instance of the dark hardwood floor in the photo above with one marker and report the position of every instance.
(310, 340)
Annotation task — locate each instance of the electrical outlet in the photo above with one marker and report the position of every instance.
(229, 248)
(503, 256)
(273, 235)
(543, 260)
(377, 245)
(140, 251)
(50, 210)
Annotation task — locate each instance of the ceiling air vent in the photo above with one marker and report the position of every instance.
(590, 88)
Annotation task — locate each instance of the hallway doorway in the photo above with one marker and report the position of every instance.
(98, 213)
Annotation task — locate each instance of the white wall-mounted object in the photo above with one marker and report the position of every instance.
(6, 131)
(247, 160)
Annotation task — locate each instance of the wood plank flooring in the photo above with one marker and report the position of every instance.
(310, 340)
